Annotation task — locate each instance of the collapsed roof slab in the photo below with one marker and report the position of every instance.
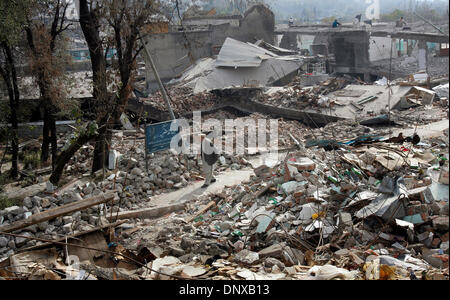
(346, 110)
(240, 99)
(236, 54)
(244, 64)
(269, 72)
(410, 35)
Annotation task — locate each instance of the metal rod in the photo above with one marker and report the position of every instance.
(437, 28)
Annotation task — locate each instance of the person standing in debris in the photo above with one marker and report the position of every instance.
(401, 22)
(291, 21)
(357, 21)
(209, 157)
(336, 24)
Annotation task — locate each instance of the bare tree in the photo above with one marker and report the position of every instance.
(125, 19)
(110, 24)
(11, 23)
(48, 62)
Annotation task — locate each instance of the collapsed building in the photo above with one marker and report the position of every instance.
(203, 36)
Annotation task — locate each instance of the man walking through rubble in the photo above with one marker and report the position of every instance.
(209, 157)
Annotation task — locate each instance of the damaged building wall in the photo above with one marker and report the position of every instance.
(209, 20)
(259, 24)
(172, 55)
(380, 48)
(351, 50)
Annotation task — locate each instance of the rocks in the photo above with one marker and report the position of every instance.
(89, 188)
(270, 262)
(187, 243)
(45, 203)
(21, 241)
(67, 220)
(3, 242)
(28, 202)
(12, 244)
(67, 228)
(177, 252)
(441, 223)
(283, 252)
(14, 210)
(71, 197)
(246, 257)
(137, 172)
(43, 226)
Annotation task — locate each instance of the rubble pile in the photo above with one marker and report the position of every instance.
(182, 100)
(344, 130)
(132, 185)
(403, 66)
(317, 215)
(295, 96)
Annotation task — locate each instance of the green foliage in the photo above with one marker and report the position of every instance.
(4, 179)
(329, 19)
(83, 129)
(5, 202)
(31, 160)
(13, 17)
(393, 16)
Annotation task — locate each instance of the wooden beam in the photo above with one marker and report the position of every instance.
(201, 211)
(63, 239)
(57, 212)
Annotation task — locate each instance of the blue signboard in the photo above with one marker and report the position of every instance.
(158, 136)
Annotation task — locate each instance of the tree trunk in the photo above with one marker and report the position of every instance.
(66, 155)
(89, 23)
(53, 140)
(46, 138)
(101, 151)
(8, 72)
(14, 140)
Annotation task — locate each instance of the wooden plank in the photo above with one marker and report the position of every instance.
(146, 213)
(63, 239)
(356, 105)
(57, 212)
(201, 211)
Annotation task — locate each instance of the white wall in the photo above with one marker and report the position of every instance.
(380, 48)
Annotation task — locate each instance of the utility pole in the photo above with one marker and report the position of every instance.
(158, 79)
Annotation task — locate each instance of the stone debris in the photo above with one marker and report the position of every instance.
(295, 96)
(182, 100)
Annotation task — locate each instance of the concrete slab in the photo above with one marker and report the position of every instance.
(20, 192)
(347, 111)
(146, 213)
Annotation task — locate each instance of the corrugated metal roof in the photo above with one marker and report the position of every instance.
(236, 54)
